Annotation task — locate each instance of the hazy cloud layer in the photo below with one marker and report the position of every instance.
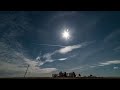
(19, 70)
(19, 30)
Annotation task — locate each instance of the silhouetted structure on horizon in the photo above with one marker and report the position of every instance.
(70, 75)
(64, 74)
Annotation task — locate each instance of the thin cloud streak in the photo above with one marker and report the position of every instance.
(62, 59)
(101, 64)
(112, 36)
(52, 45)
(110, 62)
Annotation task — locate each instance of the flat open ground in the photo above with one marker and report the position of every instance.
(61, 78)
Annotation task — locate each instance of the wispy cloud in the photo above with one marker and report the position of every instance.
(109, 63)
(19, 70)
(49, 45)
(15, 70)
(68, 49)
(76, 68)
(52, 60)
(112, 36)
(34, 68)
(81, 68)
(73, 47)
(48, 56)
(17, 67)
(115, 67)
(101, 64)
(62, 59)
(8, 54)
(60, 15)
(34, 65)
(92, 66)
(13, 60)
(117, 48)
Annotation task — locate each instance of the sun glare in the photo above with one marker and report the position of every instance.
(66, 34)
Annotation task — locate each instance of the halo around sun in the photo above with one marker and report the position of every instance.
(66, 34)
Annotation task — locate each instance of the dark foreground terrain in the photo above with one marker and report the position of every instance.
(61, 78)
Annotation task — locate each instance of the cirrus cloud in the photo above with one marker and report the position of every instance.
(110, 62)
(69, 49)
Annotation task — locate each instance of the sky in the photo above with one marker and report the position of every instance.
(35, 38)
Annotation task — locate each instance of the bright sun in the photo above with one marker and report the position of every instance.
(66, 34)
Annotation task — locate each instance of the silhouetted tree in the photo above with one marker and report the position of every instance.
(60, 74)
(65, 74)
(91, 75)
(79, 75)
(54, 75)
(74, 75)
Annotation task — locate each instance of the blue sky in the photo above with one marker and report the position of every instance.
(35, 38)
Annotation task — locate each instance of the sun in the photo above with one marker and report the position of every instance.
(66, 34)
